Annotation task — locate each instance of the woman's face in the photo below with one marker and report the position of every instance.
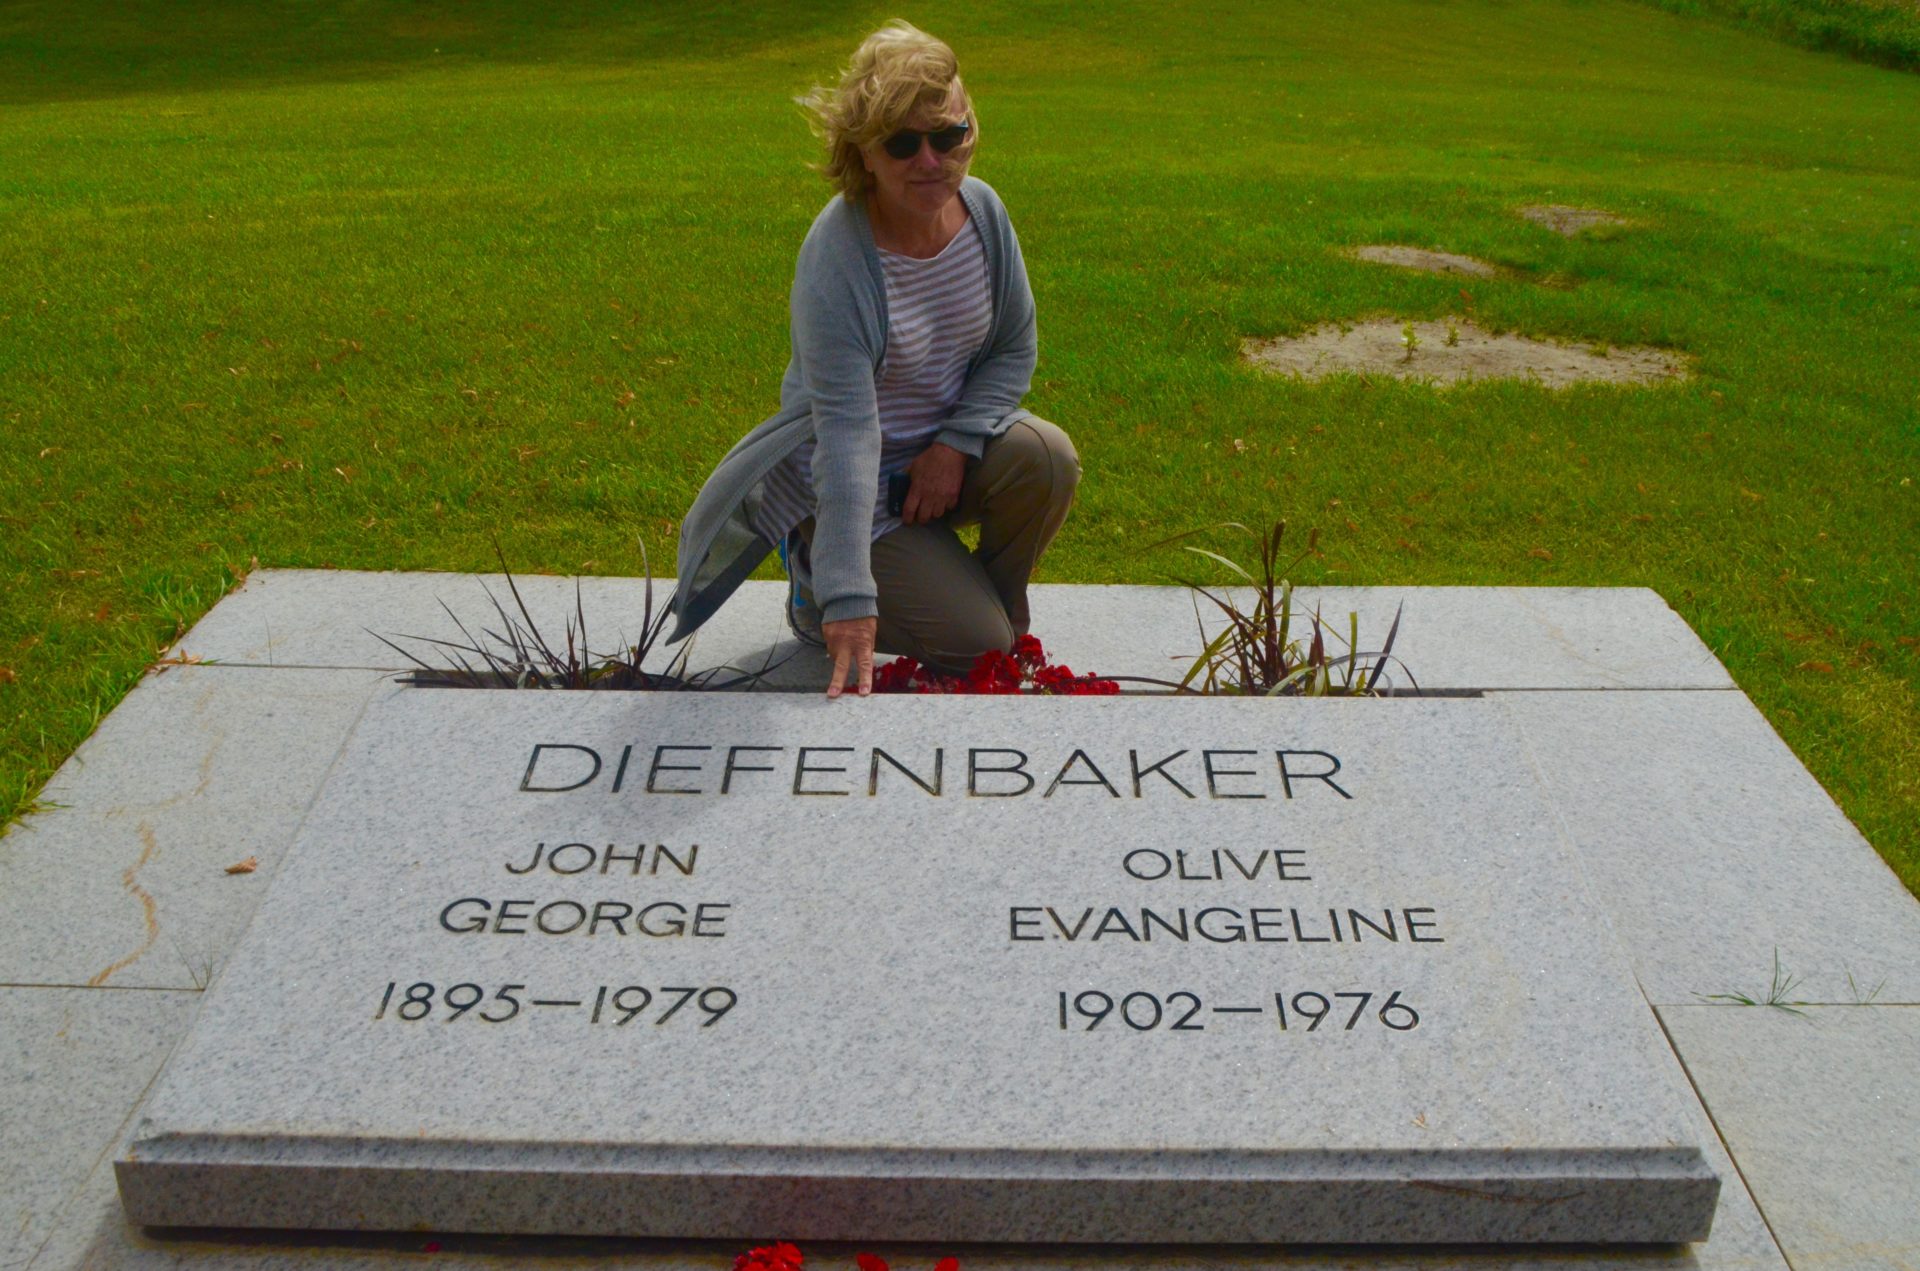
(922, 185)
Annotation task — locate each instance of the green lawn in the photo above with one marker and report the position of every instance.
(367, 289)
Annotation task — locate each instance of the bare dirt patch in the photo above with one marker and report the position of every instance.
(1378, 347)
(1566, 220)
(1425, 261)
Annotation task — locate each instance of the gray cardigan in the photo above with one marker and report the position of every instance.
(839, 325)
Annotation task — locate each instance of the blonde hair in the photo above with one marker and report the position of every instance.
(894, 71)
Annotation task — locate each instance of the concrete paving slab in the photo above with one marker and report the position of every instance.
(73, 1063)
(1452, 637)
(1819, 1110)
(1713, 847)
(324, 617)
(123, 882)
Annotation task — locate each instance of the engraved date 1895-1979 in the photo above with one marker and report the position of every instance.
(1184, 1012)
(611, 1005)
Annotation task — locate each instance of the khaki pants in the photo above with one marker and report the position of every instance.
(944, 605)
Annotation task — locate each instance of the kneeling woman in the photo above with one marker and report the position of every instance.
(913, 344)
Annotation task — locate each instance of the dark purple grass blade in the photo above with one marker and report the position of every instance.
(1387, 649)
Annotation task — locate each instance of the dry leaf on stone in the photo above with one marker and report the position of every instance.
(245, 867)
(162, 666)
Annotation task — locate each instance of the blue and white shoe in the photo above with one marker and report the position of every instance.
(803, 615)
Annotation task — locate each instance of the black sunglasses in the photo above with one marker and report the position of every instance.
(905, 144)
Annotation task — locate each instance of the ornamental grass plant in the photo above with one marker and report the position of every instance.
(513, 653)
(1262, 650)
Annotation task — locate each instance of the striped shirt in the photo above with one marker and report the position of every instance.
(938, 313)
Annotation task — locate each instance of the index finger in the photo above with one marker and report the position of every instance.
(839, 671)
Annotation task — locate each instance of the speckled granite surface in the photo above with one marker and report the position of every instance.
(95, 1235)
(868, 1040)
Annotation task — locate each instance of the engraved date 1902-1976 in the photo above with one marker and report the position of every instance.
(1183, 1012)
(616, 1006)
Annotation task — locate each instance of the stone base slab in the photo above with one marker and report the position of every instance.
(1518, 1198)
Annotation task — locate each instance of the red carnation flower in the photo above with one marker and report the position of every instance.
(1025, 670)
(783, 1256)
(896, 676)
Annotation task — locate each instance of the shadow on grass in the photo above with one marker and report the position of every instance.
(54, 51)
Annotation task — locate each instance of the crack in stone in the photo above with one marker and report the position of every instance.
(149, 910)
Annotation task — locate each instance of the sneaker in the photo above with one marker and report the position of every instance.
(803, 615)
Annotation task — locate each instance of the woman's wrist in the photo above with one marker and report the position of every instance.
(972, 445)
(849, 608)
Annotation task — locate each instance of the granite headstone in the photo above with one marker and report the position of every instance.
(1105, 970)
